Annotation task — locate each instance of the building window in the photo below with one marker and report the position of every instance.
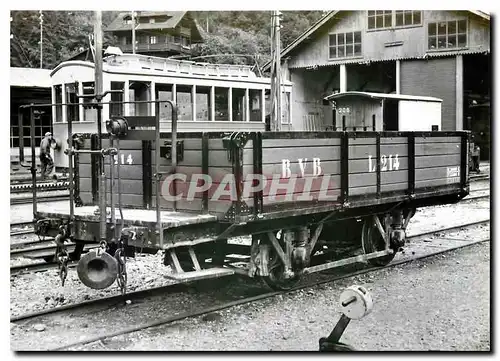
(152, 21)
(447, 35)
(408, 17)
(379, 19)
(152, 39)
(345, 45)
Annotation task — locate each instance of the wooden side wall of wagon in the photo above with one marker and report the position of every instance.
(316, 172)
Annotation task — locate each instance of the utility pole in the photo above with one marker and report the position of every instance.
(276, 73)
(41, 39)
(133, 32)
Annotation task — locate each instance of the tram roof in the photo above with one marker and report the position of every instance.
(153, 66)
(382, 96)
(30, 77)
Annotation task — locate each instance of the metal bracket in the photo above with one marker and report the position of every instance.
(166, 150)
(381, 230)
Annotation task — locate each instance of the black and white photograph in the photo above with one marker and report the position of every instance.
(250, 180)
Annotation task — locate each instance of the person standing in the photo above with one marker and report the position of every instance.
(47, 164)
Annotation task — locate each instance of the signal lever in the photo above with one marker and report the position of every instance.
(355, 303)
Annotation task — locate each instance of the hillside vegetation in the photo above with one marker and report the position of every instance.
(241, 37)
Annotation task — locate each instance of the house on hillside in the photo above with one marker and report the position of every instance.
(442, 54)
(157, 33)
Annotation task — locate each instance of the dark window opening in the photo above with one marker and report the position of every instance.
(116, 108)
(221, 104)
(72, 111)
(391, 114)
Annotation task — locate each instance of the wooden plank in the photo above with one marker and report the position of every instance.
(128, 186)
(126, 172)
(357, 191)
(393, 187)
(277, 155)
(437, 148)
(361, 141)
(362, 180)
(218, 158)
(363, 151)
(433, 183)
(308, 184)
(247, 156)
(133, 156)
(305, 142)
(392, 149)
(394, 177)
(421, 140)
(437, 160)
(330, 195)
(124, 144)
(362, 165)
(327, 167)
(393, 140)
(194, 206)
(434, 173)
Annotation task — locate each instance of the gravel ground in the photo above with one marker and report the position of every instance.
(413, 310)
(52, 331)
(42, 290)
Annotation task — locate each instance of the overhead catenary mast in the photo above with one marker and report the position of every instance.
(275, 72)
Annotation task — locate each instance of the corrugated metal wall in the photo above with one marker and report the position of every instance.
(436, 78)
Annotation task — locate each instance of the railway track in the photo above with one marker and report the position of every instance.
(215, 308)
(176, 287)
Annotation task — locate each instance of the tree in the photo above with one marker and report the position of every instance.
(65, 33)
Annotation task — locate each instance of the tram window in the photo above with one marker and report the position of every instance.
(203, 102)
(255, 105)
(139, 91)
(184, 102)
(221, 104)
(58, 100)
(164, 92)
(72, 111)
(116, 108)
(89, 114)
(238, 106)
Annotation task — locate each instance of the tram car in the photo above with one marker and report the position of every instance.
(151, 183)
(209, 97)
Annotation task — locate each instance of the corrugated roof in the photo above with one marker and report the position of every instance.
(30, 77)
(382, 96)
(436, 54)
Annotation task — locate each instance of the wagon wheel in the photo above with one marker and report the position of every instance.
(276, 279)
(372, 241)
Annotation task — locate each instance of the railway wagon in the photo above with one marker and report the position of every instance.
(297, 196)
